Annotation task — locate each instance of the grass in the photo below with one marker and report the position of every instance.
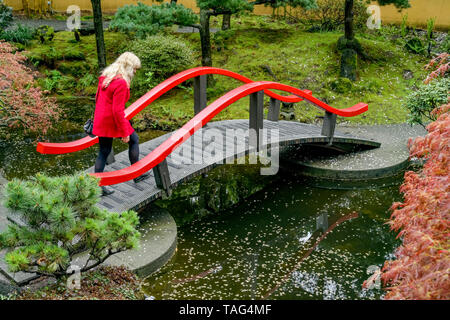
(296, 57)
(304, 60)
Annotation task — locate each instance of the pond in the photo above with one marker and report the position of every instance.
(19, 159)
(292, 240)
(271, 246)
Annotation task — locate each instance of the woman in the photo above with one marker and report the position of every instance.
(109, 118)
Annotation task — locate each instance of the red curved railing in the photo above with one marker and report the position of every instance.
(203, 117)
(159, 90)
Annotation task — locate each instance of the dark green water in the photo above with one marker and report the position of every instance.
(259, 249)
(19, 159)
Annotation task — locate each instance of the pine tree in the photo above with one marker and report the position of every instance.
(59, 219)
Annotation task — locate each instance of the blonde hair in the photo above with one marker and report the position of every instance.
(124, 66)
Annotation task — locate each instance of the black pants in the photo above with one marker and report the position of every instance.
(106, 147)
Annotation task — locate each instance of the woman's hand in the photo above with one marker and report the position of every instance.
(126, 139)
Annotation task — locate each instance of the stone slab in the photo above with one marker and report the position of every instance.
(388, 160)
(6, 286)
(157, 245)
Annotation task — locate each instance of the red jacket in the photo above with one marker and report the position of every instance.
(109, 117)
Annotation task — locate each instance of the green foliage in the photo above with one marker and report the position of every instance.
(415, 45)
(400, 4)
(142, 20)
(445, 46)
(86, 81)
(222, 37)
(235, 6)
(428, 97)
(161, 57)
(228, 6)
(52, 80)
(430, 28)
(6, 16)
(404, 26)
(20, 34)
(329, 15)
(307, 4)
(59, 218)
(341, 85)
(45, 33)
(49, 55)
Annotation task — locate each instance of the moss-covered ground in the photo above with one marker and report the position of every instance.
(258, 47)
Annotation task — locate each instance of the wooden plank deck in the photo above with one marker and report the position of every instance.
(131, 195)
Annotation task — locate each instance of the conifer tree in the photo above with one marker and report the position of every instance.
(58, 218)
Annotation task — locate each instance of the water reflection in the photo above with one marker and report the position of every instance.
(19, 158)
(290, 241)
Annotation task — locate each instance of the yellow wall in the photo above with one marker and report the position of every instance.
(418, 14)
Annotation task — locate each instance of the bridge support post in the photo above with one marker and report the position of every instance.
(200, 84)
(274, 110)
(162, 177)
(256, 119)
(329, 124)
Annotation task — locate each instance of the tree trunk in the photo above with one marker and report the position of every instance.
(348, 45)
(98, 26)
(205, 38)
(26, 8)
(349, 32)
(226, 22)
(349, 63)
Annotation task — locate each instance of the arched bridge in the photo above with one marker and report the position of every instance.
(205, 146)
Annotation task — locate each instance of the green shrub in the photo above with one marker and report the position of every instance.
(51, 81)
(72, 53)
(75, 68)
(20, 34)
(6, 16)
(341, 85)
(329, 15)
(428, 97)
(47, 57)
(220, 38)
(161, 57)
(86, 81)
(415, 45)
(59, 219)
(143, 20)
(45, 33)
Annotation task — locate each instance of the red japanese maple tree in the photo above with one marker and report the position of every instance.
(422, 268)
(22, 105)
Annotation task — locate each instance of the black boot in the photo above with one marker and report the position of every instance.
(141, 177)
(106, 191)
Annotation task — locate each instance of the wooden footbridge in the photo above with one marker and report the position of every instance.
(204, 144)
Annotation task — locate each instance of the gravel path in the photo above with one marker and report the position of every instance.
(57, 25)
(61, 25)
